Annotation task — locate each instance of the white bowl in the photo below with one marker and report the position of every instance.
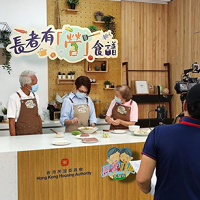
(60, 135)
(88, 129)
(134, 127)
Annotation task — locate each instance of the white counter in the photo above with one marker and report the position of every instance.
(44, 141)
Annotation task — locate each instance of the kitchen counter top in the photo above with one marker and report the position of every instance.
(44, 141)
(50, 123)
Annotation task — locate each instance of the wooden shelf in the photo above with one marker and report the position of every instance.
(69, 10)
(94, 83)
(151, 98)
(99, 22)
(97, 62)
(109, 88)
(65, 81)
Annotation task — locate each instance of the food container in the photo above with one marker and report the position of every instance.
(105, 134)
(134, 127)
(97, 105)
(88, 129)
(60, 135)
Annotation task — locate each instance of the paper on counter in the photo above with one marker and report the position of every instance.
(136, 165)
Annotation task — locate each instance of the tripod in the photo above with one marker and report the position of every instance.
(181, 114)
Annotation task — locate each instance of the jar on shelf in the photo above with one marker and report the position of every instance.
(112, 85)
(103, 67)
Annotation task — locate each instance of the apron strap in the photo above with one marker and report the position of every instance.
(33, 94)
(19, 95)
(131, 102)
(71, 100)
(87, 100)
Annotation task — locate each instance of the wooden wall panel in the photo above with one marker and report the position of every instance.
(144, 46)
(183, 41)
(32, 164)
(85, 17)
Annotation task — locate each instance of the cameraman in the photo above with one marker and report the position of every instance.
(173, 150)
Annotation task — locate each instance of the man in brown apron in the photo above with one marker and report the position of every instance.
(23, 111)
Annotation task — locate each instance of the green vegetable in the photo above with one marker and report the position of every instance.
(76, 132)
(75, 46)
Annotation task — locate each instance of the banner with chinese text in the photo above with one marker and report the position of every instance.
(71, 43)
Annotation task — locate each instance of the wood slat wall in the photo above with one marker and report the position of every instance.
(32, 164)
(144, 45)
(183, 42)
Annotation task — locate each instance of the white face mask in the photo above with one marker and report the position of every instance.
(80, 95)
(118, 100)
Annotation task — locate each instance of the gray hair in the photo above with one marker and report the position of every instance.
(25, 77)
(125, 91)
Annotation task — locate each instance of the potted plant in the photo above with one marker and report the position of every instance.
(69, 75)
(59, 75)
(107, 84)
(109, 24)
(63, 76)
(72, 3)
(92, 28)
(72, 74)
(4, 111)
(98, 15)
(5, 40)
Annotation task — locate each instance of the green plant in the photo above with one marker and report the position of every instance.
(69, 73)
(72, 72)
(59, 73)
(63, 73)
(107, 83)
(6, 41)
(98, 13)
(92, 28)
(4, 111)
(69, 2)
(109, 24)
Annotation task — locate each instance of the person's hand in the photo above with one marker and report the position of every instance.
(109, 120)
(75, 120)
(116, 122)
(93, 124)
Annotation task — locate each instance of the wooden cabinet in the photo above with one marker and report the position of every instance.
(96, 66)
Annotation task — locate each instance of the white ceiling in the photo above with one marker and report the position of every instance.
(148, 1)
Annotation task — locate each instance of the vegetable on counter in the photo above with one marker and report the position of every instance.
(21, 31)
(76, 132)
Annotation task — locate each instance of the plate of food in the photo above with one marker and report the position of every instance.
(83, 135)
(90, 140)
(141, 132)
(60, 143)
(119, 131)
(88, 129)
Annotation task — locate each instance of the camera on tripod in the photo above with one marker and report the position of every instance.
(182, 87)
(187, 82)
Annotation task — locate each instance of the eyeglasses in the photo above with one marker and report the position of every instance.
(82, 91)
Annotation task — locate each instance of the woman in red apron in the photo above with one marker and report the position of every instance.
(123, 111)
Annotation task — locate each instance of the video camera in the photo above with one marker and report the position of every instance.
(182, 87)
(187, 82)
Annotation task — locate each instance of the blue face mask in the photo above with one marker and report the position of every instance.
(80, 95)
(34, 88)
(118, 100)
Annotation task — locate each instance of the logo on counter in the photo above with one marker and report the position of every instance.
(118, 167)
(71, 43)
(64, 162)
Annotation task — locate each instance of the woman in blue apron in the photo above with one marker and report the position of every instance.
(78, 109)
